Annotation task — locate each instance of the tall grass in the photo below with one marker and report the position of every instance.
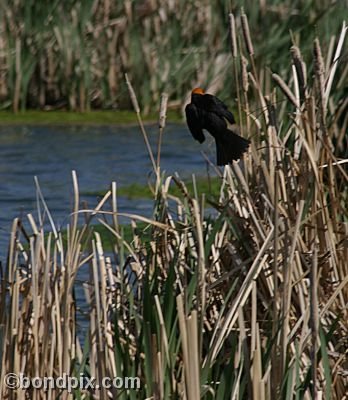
(250, 303)
(73, 54)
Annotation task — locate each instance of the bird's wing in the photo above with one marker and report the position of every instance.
(194, 122)
(215, 105)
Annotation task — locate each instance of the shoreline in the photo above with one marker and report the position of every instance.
(126, 118)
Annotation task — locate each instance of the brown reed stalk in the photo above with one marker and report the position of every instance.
(162, 124)
(246, 34)
(300, 69)
(140, 121)
(233, 35)
(234, 52)
(18, 80)
(314, 319)
(285, 89)
(320, 76)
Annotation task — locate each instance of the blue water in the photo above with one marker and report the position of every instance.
(99, 154)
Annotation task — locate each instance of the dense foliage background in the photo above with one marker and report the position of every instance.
(73, 54)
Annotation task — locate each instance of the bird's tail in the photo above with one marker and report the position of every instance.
(229, 147)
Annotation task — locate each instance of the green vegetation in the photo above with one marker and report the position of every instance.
(208, 186)
(91, 117)
(204, 186)
(250, 304)
(73, 54)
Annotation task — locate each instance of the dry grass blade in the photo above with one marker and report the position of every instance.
(240, 299)
(143, 131)
(285, 89)
(335, 63)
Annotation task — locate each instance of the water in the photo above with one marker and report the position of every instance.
(99, 154)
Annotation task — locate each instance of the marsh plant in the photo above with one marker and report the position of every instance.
(73, 54)
(249, 303)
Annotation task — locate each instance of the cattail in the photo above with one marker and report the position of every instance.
(319, 72)
(163, 110)
(132, 95)
(271, 113)
(162, 123)
(233, 35)
(318, 58)
(246, 34)
(300, 67)
(245, 80)
(285, 89)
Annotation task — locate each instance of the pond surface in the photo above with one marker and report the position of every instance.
(99, 154)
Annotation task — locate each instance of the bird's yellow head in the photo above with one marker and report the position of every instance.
(197, 90)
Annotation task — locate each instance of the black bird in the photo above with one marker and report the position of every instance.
(208, 112)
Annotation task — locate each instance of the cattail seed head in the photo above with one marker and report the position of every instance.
(318, 58)
(272, 115)
(245, 80)
(246, 34)
(233, 35)
(320, 73)
(163, 110)
(300, 67)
